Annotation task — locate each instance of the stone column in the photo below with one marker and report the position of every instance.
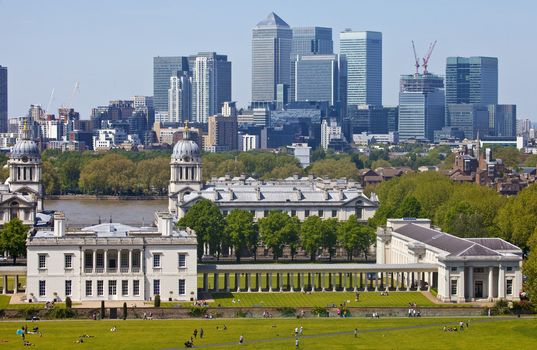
(205, 282)
(238, 282)
(418, 281)
(248, 288)
(216, 286)
(471, 283)
(397, 281)
(226, 282)
(15, 284)
(355, 281)
(407, 281)
(269, 281)
(366, 281)
(312, 281)
(501, 283)
(105, 260)
(429, 281)
(323, 284)
(291, 281)
(344, 281)
(334, 282)
(4, 284)
(490, 295)
(280, 282)
(301, 277)
(258, 281)
(94, 266)
(376, 282)
(461, 297)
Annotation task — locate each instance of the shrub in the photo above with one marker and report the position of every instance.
(319, 311)
(102, 309)
(287, 311)
(501, 307)
(157, 300)
(197, 311)
(30, 312)
(242, 314)
(68, 303)
(124, 311)
(60, 313)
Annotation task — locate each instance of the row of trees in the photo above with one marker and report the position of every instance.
(276, 231)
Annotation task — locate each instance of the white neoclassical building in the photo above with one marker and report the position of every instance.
(300, 197)
(112, 261)
(468, 268)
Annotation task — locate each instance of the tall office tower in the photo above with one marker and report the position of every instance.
(317, 78)
(211, 84)
(180, 98)
(163, 69)
(223, 130)
(472, 80)
(421, 106)
(502, 120)
(309, 41)
(3, 99)
(362, 52)
(271, 58)
(469, 118)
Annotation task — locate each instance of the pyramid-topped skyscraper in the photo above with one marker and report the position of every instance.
(271, 54)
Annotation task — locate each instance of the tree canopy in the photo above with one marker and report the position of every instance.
(13, 238)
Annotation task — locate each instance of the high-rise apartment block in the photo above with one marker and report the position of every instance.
(271, 58)
(421, 106)
(3, 99)
(180, 98)
(362, 52)
(223, 130)
(163, 69)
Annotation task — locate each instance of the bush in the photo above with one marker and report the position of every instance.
(319, 311)
(242, 314)
(102, 309)
(60, 313)
(287, 311)
(197, 311)
(68, 303)
(30, 312)
(501, 307)
(157, 300)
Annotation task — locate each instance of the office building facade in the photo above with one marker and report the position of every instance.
(421, 106)
(472, 80)
(502, 120)
(362, 52)
(468, 118)
(271, 57)
(316, 78)
(163, 69)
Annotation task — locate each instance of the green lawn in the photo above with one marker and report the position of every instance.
(297, 299)
(402, 333)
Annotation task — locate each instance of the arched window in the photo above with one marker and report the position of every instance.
(14, 210)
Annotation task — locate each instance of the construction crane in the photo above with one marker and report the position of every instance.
(427, 57)
(416, 58)
(51, 98)
(76, 89)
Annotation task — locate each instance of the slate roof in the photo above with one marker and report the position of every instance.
(456, 246)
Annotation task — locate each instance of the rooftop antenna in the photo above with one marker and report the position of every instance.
(425, 63)
(416, 58)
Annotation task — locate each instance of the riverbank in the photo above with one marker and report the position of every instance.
(102, 197)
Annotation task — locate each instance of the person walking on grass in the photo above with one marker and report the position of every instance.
(297, 343)
(356, 332)
(241, 339)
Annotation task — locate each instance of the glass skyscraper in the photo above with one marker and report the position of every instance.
(472, 80)
(3, 99)
(502, 120)
(308, 41)
(469, 118)
(363, 54)
(163, 69)
(317, 78)
(271, 57)
(421, 106)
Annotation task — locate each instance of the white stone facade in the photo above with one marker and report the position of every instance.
(468, 268)
(112, 262)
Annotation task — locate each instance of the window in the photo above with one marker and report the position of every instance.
(42, 288)
(509, 287)
(88, 260)
(89, 288)
(479, 270)
(252, 212)
(156, 287)
(100, 288)
(265, 213)
(156, 261)
(68, 261)
(136, 287)
(321, 214)
(112, 287)
(182, 288)
(509, 268)
(293, 212)
(453, 287)
(68, 288)
(124, 287)
(224, 212)
(334, 213)
(182, 260)
(100, 260)
(42, 261)
(453, 269)
(306, 213)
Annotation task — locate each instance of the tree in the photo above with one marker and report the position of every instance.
(124, 311)
(272, 231)
(329, 236)
(355, 236)
(205, 218)
(291, 234)
(334, 169)
(240, 228)
(530, 269)
(13, 238)
(311, 235)
(410, 208)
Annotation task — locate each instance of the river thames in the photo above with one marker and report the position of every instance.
(88, 211)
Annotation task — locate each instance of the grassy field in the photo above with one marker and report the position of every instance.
(297, 299)
(414, 333)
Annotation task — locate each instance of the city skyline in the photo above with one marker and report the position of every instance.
(110, 76)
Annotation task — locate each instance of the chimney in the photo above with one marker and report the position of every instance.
(165, 224)
(59, 224)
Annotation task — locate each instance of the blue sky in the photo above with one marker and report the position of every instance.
(108, 46)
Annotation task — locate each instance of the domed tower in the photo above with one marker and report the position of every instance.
(185, 174)
(25, 170)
